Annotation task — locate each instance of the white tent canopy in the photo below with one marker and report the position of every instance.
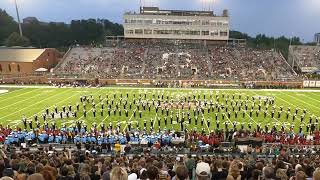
(41, 70)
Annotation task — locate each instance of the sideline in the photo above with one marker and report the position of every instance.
(3, 91)
(155, 88)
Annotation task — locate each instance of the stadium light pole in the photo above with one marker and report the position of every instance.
(19, 22)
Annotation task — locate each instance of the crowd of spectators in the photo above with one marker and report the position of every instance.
(175, 61)
(48, 164)
(306, 56)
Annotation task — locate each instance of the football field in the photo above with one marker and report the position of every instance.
(173, 105)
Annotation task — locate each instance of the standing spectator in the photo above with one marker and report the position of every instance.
(219, 172)
(152, 173)
(181, 173)
(203, 171)
(234, 171)
(190, 163)
(119, 173)
(268, 173)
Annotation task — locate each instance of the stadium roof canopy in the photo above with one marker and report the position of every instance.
(158, 11)
(19, 55)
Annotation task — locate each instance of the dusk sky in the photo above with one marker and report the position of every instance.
(272, 17)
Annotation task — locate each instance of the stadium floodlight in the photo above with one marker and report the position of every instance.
(207, 4)
(18, 17)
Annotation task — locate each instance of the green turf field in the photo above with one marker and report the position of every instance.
(28, 101)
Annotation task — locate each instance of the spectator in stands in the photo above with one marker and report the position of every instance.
(203, 171)
(316, 174)
(118, 173)
(191, 164)
(181, 173)
(234, 171)
(255, 175)
(218, 171)
(152, 172)
(36, 176)
(300, 175)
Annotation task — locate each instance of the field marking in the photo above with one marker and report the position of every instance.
(278, 121)
(181, 89)
(129, 120)
(3, 91)
(15, 95)
(315, 94)
(90, 109)
(205, 121)
(287, 102)
(207, 90)
(51, 120)
(305, 95)
(31, 97)
(34, 104)
(9, 92)
(300, 100)
(154, 121)
(103, 120)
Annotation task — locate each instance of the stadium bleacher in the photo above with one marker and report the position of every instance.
(172, 62)
(307, 58)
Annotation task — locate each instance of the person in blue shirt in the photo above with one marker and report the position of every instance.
(111, 140)
(93, 139)
(77, 139)
(100, 140)
(42, 138)
(84, 139)
(64, 139)
(122, 140)
(58, 139)
(8, 140)
(50, 139)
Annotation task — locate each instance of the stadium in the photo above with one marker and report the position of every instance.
(174, 94)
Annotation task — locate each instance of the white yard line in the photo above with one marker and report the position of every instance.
(155, 120)
(315, 94)
(17, 102)
(9, 92)
(60, 103)
(103, 120)
(34, 104)
(305, 95)
(301, 100)
(205, 121)
(91, 108)
(278, 121)
(4, 99)
(51, 120)
(129, 120)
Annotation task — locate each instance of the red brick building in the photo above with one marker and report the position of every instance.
(27, 60)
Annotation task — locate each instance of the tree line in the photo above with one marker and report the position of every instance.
(56, 35)
(261, 41)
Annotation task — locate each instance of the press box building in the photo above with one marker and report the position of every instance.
(153, 23)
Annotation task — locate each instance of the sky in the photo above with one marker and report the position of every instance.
(271, 17)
